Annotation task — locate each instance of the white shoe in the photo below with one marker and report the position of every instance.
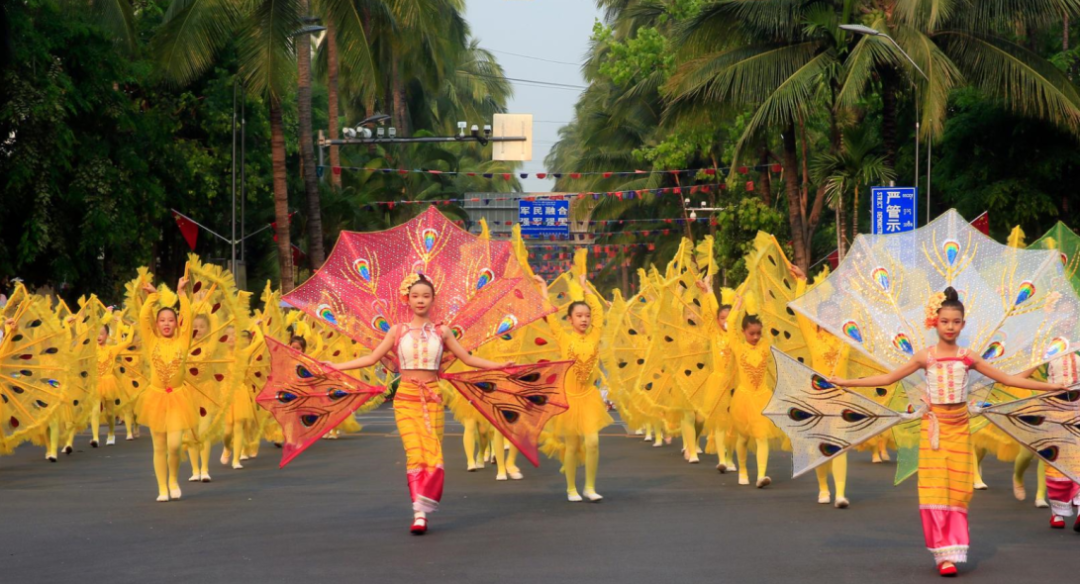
(694, 460)
(501, 477)
(574, 497)
(824, 498)
(744, 480)
(244, 457)
(205, 478)
(110, 441)
(516, 475)
(763, 482)
(658, 444)
(225, 457)
(237, 466)
(174, 494)
(638, 432)
(842, 503)
(195, 478)
(981, 486)
(480, 464)
(593, 496)
(129, 438)
(1042, 504)
(162, 498)
(471, 467)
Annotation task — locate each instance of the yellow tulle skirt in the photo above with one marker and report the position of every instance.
(171, 410)
(587, 415)
(112, 395)
(349, 426)
(994, 441)
(242, 408)
(746, 417)
(461, 409)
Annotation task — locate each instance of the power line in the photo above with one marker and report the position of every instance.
(536, 58)
(533, 82)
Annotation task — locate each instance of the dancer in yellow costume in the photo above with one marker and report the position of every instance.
(476, 438)
(578, 428)
(829, 356)
(715, 402)
(206, 401)
(752, 361)
(127, 372)
(240, 419)
(167, 407)
(108, 386)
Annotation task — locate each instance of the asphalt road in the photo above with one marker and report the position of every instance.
(340, 513)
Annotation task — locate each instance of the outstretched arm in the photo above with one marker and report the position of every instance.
(372, 357)
(1018, 381)
(596, 308)
(885, 379)
(471, 360)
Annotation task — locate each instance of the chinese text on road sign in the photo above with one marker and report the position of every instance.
(544, 217)
(893, 209)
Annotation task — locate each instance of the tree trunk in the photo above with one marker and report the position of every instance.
(794, 198)
(764, 179)
(281, 197)
(397, 85)
(888, 116)
(841, 227)
(307, 146)
(332, 100)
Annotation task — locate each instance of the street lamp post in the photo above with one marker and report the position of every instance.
(866, 30)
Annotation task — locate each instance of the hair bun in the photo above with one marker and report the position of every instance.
(951, 295)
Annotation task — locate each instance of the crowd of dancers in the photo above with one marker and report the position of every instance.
(679, 360)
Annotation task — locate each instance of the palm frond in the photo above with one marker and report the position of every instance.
(267, 51)
(189, 39)
(1027, 83)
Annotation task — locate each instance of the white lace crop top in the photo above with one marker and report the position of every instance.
(419, 348)
(946, 378)
(1063, 370)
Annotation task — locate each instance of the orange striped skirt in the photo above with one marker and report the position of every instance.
(418, 410)
(945, 482)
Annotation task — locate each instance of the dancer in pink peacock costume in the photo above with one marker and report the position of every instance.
(420, 296)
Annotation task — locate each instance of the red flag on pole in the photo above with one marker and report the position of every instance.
(188, 228)
(982, 223)
(834, 259)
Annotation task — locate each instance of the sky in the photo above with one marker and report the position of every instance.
(540, 40)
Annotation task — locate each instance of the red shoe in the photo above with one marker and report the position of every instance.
(947, 570)
(1057, 522)
(419, 526)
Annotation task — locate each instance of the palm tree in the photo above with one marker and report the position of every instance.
(190, 37)
(783, 58)
(847, 173)
(307, 144)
